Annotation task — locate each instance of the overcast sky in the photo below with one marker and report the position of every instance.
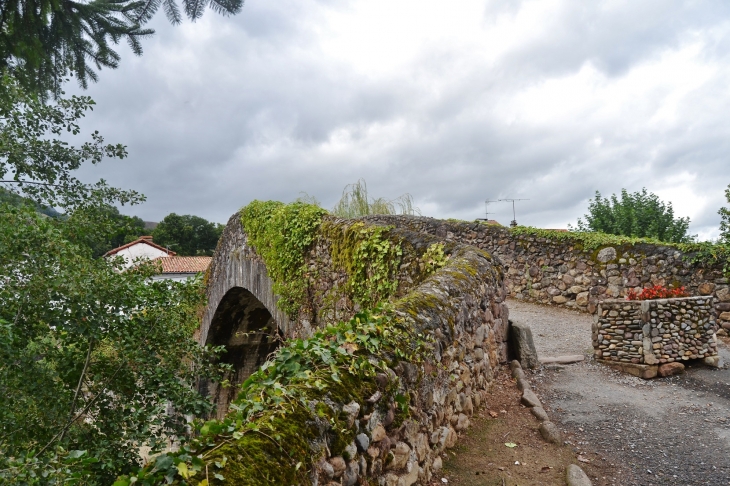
(452, 102)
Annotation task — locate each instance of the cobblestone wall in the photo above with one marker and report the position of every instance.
(557, 271)
(655, 331)
(463, 312)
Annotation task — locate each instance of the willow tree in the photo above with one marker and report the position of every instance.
(356, 202)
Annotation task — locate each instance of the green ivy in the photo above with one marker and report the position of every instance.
(587, 240)
(281, 234)
(369, 257)
(709, 255)
(434, 258)
(281, 406)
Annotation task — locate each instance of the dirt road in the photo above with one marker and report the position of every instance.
(667, 431)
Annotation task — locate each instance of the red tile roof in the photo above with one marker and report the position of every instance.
(183, 264)
(147, 240)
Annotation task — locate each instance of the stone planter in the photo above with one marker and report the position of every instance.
(639, 336)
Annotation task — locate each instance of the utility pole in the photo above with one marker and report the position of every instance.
(513, 223)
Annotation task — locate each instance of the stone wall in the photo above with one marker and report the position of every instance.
(655, 331)
(236, 264)
(557, 270)
(462, 311)
(459, 308)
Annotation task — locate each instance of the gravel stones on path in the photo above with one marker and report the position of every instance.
(667, 431)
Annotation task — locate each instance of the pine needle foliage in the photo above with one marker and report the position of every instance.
(355, 202)
(42, 42)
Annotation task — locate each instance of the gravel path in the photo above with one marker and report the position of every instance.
(556, 332)
(673, 431)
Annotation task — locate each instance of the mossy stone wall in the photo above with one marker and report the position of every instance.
(396, 428)
(460, 309)
(556, 268)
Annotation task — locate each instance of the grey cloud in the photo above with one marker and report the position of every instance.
(249, 108)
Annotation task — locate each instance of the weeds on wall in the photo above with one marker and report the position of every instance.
(704, 253)
(709, 255)
(266, 438)
(588, 240)
(282, 233)
(356, 202)
(434, 258)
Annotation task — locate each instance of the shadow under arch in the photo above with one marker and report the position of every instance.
(249, 333)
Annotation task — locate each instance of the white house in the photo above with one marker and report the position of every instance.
(140, 249)
(171, 266)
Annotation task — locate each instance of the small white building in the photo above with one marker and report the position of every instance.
(140, 249)
(171, 266)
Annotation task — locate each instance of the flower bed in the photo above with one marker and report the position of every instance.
(656, 292)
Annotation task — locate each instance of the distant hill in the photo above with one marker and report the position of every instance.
(8, 197)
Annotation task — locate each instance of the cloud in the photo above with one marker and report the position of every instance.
(454, 104)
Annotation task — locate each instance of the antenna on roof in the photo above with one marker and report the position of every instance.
(513, 223)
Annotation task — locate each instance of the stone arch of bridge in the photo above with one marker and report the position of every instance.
(245, 327)
(241, 313)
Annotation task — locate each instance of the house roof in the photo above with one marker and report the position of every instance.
(146, 240)
(183, 264)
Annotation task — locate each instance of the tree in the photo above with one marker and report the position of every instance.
(124, 229)
(43, 41)
(91, 358)
(95, 363)
(355, 202)
(640, 214)
(187, 234)
(36, 163)
(725, 219)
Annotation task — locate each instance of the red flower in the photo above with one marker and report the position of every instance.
(656, 292)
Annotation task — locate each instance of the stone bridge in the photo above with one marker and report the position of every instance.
(445, 281)
(444, 293)
(242, 312)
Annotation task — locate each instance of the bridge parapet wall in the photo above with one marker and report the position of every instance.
(236, 264)
(555, 268)
(376, 436)
(390, 428)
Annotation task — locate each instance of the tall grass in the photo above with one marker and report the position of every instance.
(355, 203)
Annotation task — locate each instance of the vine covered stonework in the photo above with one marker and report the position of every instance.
(281, 234)
(392, 342)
